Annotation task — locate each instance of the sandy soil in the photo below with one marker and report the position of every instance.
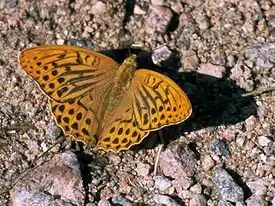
(220, 49)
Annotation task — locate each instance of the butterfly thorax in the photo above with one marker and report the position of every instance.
(121, 83)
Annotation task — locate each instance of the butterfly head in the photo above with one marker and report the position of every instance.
(131, 60)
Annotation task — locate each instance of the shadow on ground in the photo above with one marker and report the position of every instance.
(215, 101)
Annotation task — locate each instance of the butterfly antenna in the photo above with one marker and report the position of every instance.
(129, 52)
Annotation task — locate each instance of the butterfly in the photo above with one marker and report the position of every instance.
(100, 102)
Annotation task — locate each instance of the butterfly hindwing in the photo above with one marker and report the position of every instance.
(158, 101)
(76, 119)
(121, 134)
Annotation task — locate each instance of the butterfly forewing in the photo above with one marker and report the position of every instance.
(66, 72)
(76, 80)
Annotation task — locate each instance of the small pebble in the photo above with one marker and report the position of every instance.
(99, 8)
(271, 160)
(190, 60)
(104, 202)
(121, 200)
(261, 53)
(212, 70)
(162, 183)
(48, 181)
(15, 157)
(178, 162)
(60, 41)
(250, 122)
(161, 54)
(182, 183)
(228, 189)
(271, 22)
(138, 10)
(115, 159)
(165, 200)
(11, 3)
(85, 43)
(218, 58)
(44, 146)
(218, 147)
(240, 141)
(53, 131)
(198, 200)
(143, 169)
(231, 61)
(207, 163)
(259, 187)
(185, 194)
(264, 141)
(256, 200)
(196, 188)
(70, 159)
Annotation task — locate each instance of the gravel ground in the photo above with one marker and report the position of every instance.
(224, 154)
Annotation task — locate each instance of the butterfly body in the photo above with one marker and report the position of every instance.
(121, 83)
(102, 103)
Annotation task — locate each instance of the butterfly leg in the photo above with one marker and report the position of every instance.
(158, 153)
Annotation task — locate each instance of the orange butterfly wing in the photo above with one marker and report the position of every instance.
(153, 101)
(76, 80)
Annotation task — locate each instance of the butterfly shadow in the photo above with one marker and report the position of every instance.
(215, 101)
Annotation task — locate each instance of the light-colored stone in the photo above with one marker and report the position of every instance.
(190, 60)
(264, 141)
(161, 54)
(198, 200)
(228, 189)
(196, 188)
(165, 200)
(212, 70)
(115, 159)
(207, 162)
(162, 183)
(256, 200)
(99, 8)
(138, 10)
(143, 169)
(104, 202)
(262, 54)
(56, 177)
(259, 187)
